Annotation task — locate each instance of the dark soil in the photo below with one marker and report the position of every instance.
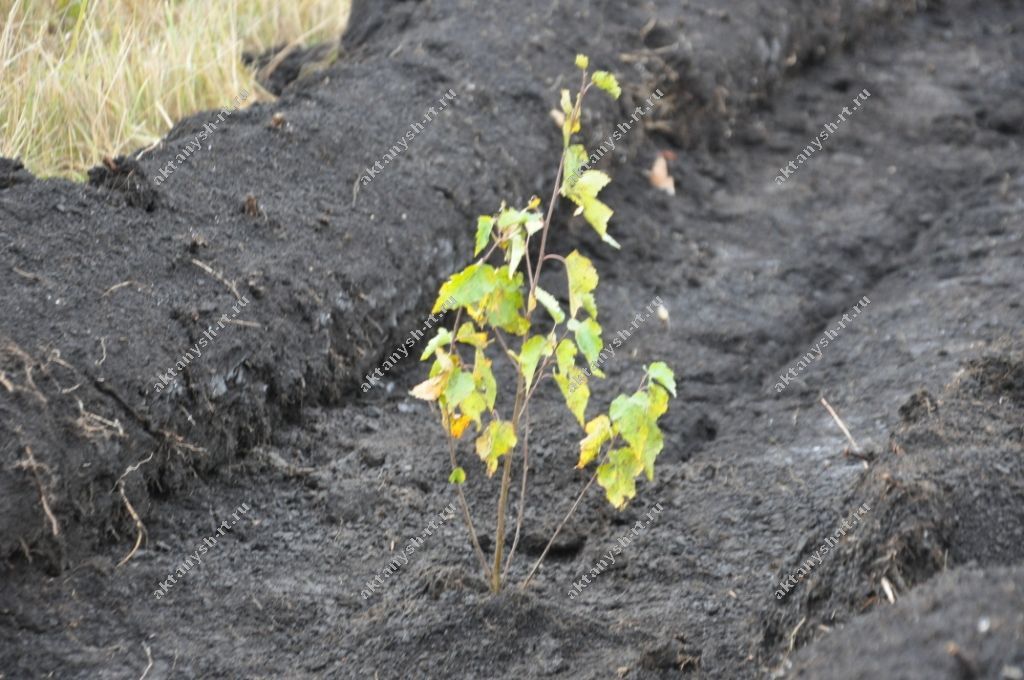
(916, 202)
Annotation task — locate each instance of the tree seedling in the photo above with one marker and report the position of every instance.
(500, 295)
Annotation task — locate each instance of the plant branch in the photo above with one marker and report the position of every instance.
(536, 565)
(465, 507)
(554, 192)
(506, 480)
(522, 487)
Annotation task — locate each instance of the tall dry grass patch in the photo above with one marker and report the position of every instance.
(82, 79)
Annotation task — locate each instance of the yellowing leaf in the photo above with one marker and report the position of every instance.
(588, 338)
(468, 335)
(573, 385)
(582, 62)
(565, 355)
(458, 476)
(483, 233)
(443, 364)
(618, 477)
(607, 82)
(572, 121)
(582, 281)
(458, 387)
(458, 425)
(503, 305)
(583, 192)
(483, 377)
(516, 251)
(442, 339)
(550, 304)
(591, 182)
(468, 287)
(599, 430)
(576, 161)
(566, 102)
(533, 349)
(571, 380)
(659, 400)
(497, 439)
(597, 215)
(663, 375)
(430, 389)
(635, 420)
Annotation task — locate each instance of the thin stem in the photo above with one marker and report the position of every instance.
(508, 352)
(547, 223)
(536, 565)
(555, 256)
(465, 507)
(554, 192)
(529, 267)
(506, 481)
(522, 487)
(455, 329)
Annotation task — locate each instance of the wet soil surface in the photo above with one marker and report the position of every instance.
(913, 209)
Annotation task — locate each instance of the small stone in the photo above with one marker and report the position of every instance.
(372, 459)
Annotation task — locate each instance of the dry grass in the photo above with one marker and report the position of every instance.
(81, 79)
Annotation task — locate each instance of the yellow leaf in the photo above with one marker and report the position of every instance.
(459, 425)
(599, 430)
(430, 389)
(498, 439)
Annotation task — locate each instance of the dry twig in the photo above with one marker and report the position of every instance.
(218, 277)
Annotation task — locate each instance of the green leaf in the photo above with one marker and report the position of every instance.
(533, 225)
(565, 355)
(484, 379)
(575, 161)
(458, 476)
(573, 385)
(509, 217)
(618, 477)
(607, 82)
(516, 251)
(503, 305)
(599, 430)
(533, 349)
(659, 400)
(460, 385)
(468, 287)
(582, 282)
(498, 439)
(588, 338)
(582, 62)
(583, 192)
(442, 339)
(591, 182)
(485, 390)
(470, 336)
(660, 373)
(597, 215)
(483, 233)
(550, 304)
(635, 421)
(571, 380)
